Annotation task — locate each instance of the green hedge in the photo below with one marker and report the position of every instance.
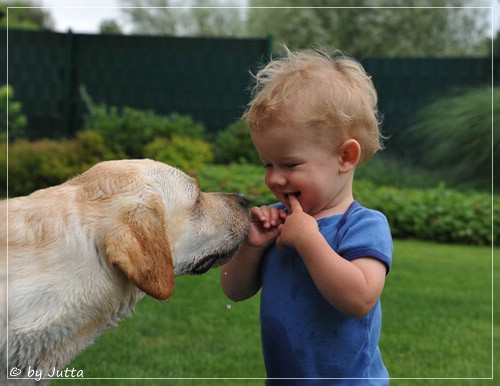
(437, 214)
(234, 145)
(128, 130)
(40, 164)
(188, 154)
(236, 178)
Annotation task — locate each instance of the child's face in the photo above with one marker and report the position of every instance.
(295, 164)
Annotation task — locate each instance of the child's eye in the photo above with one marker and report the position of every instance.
(290, 165)
(268, 166)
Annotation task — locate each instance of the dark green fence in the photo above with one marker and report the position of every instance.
(205, 78)
(405, 85)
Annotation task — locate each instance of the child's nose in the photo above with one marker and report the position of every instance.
(276, 178)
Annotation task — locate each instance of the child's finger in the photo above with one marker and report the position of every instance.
(294, 204)
(267, 216)
(256, 214)
(276, 216)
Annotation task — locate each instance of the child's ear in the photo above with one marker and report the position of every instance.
(350, 153)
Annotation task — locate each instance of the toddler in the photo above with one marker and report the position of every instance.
(319, 257)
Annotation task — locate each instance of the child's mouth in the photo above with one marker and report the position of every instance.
(287, 195)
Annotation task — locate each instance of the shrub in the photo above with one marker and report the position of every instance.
(437, 214)
(128, 130)
(234, 145)
(36, 165)
(236, 178)
(17, 120)
(184, 153)
(389, 170)
(89, 148)
(40, 164)
(453, 137)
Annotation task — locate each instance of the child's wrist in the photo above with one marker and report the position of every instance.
(307, 239)
(250, 249)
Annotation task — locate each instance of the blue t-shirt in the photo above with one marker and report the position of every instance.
(303, 336)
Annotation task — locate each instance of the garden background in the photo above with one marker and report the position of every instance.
(435, 182)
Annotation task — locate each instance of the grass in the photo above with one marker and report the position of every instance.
(437, 313)
(437, 323)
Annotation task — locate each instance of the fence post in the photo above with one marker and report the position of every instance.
(68, 86)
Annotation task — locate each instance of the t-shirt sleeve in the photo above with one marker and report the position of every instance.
(366, 233)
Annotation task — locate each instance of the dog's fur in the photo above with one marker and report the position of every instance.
(76, 258)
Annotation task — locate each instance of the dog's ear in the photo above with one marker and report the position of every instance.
(138, 246)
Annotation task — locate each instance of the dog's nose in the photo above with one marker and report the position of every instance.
(242, 200)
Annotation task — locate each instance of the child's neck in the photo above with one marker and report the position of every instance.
(338, 208)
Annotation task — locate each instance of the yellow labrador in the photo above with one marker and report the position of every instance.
(76, 258)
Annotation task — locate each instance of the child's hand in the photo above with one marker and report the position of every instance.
(297, 227)
(265, 221)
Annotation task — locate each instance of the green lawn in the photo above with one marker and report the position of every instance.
(437, 323)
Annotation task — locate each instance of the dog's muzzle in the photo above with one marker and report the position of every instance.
(211, 261)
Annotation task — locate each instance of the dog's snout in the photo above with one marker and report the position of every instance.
(242, 200)
(235, 198)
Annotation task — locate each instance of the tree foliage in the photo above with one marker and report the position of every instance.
(364, 28)
(22, 15)
(375, 27)
(183, 18)
(110, 26)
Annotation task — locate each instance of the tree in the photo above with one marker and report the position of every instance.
(25, 18)
(183, 18)
(396, 31)
(110, 26)
(364, 28)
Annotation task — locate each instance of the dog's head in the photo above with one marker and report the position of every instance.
(155, 223)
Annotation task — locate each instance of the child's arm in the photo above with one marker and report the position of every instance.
(240, 277)
(353, 287)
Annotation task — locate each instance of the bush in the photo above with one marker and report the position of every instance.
(234, 145)
(184, 153)
(128, 130)
(36, 165)
(437, 214)
(17, 120)
(40, 164)
(236, 178)
(89, 148)
(388, 170)
(453, 137)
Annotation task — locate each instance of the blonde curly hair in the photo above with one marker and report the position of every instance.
(327, 93)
